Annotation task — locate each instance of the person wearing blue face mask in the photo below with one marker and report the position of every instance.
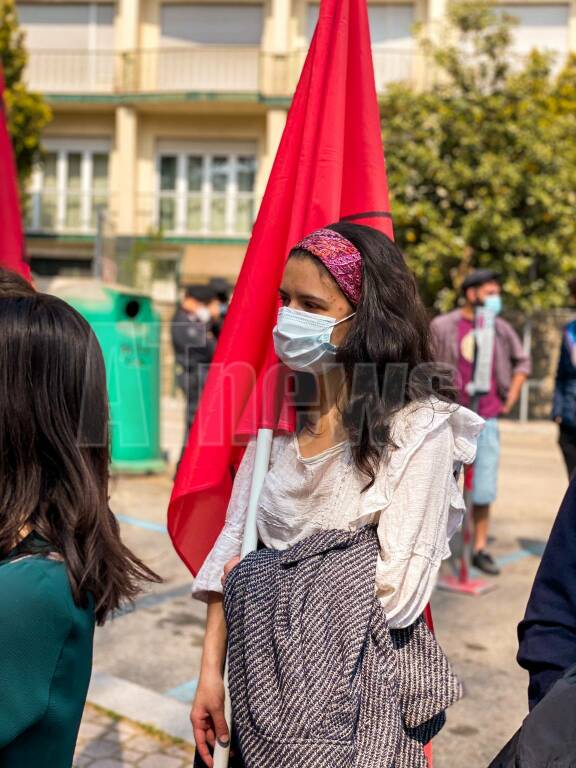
(376, 446)
(455, 345)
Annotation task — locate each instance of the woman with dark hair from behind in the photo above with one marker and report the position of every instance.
(63, 566)
(377, 448)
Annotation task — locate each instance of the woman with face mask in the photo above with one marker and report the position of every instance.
(377, 445)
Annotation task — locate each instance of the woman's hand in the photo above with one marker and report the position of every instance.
(228, 567)
(207, 716)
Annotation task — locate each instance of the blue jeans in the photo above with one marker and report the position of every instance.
(486, 464)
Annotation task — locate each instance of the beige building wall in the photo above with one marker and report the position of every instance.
(195, 127)
(135, 123)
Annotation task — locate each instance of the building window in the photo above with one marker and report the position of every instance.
(206, 193)
(68, 189)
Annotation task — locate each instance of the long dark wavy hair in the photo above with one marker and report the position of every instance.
(55, 449)
(387, 354)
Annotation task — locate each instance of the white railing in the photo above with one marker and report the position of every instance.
(53, 211)
(201, 69)
(170, 215)
(73, 72)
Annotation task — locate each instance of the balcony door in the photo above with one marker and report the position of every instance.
(206, 190)
(69, 187)
(70, 46)
(543, 26)
(392, 39)
(210, 47)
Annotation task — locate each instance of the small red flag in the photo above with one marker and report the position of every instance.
(11, 234)
(329, 166)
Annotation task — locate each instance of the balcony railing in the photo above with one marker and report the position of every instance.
(200, 69)
(215, 216)
(72, 72)
(214, 69)
(73, 213)
(67, 211)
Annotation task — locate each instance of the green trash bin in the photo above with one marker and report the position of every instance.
(128, 330)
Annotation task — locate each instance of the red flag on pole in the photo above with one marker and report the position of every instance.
(11, 234)
(329, 166)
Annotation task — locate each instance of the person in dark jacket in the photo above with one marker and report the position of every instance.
(548, 735)
(547, 634)
(564, 404)
(194, 342)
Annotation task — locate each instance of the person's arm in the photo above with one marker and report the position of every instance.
(547, 634)
(521, 367)
(516, 385)
(413, 529)
(33, 627)
(207, 715)
(562, 376)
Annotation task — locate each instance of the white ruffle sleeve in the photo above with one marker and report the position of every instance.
(229, 542)
(418, 505)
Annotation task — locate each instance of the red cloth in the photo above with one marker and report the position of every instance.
(330, 165)
(11, 234)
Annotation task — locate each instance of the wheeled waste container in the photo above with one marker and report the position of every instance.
(128, 329)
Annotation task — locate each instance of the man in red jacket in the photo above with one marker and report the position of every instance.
(455, 345)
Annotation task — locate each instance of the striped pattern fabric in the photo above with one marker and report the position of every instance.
(317, 678)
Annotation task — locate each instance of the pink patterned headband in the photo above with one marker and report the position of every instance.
(339, 256)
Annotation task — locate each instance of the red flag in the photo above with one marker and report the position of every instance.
(329, 166)
(11, 234)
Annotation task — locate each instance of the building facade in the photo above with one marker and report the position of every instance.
(167, 116)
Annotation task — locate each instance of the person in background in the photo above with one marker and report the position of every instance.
(194, 342)
(63, 565)
(349, 303)
(454, 343)
(547, 634)
(222, 288)
(564, 403)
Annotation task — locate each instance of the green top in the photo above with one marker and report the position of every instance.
(45, 661)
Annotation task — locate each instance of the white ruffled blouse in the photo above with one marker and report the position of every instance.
(415, 502)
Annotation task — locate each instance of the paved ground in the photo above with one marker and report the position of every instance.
(157, 645)
(108, 742)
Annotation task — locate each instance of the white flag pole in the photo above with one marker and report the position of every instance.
(250, 544)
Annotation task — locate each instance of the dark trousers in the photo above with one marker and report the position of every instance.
(189, 383)
(567, 443)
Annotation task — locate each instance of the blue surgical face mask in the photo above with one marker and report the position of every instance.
(302, 339)
(494, 303)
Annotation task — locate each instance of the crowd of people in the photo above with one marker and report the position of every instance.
(325, 623)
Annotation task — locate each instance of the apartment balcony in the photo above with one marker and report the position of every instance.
(73, 214)
(67, 212)
(203, 69)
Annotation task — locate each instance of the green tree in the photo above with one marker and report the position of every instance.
(482, 165)
(28, 114)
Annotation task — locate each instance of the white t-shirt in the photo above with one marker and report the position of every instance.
(415, 502)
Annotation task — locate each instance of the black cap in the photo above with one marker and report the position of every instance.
(480, 277)
(200, 292)
(220, 284)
